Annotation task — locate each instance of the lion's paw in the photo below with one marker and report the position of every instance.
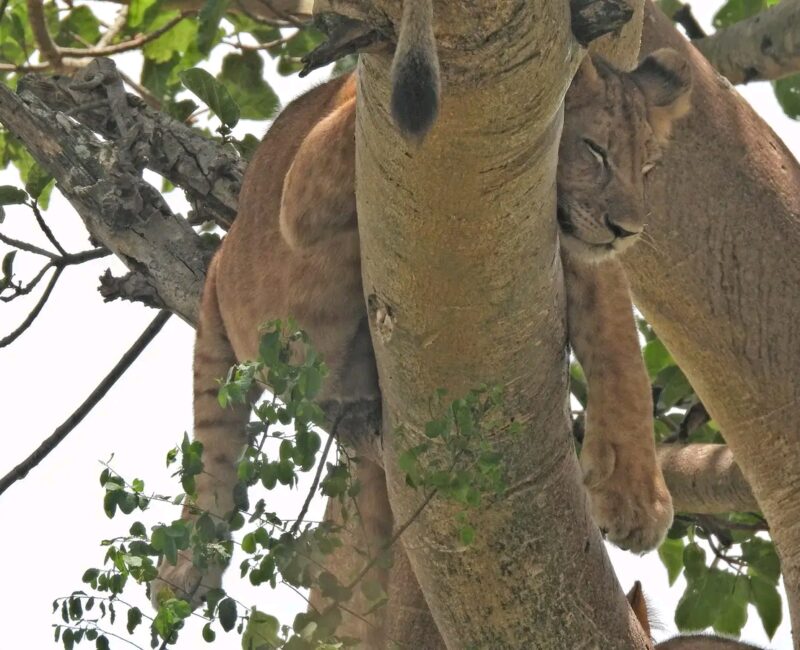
(186, 581)
(628, 497)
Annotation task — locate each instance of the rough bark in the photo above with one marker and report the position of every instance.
(118, 208)
(719, 282)
(210, 174)
(459, 247)
(705, 479)
(726, 310)
(764, 47)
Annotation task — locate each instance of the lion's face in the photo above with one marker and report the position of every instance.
(615, 126)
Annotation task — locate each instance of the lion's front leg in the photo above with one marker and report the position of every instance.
(628, 496)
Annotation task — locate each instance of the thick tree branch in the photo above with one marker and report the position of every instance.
(764, 47)
(210, 174)
(117, 206)
(705, 479)
(50, 443)
(592, 19)
(718, 281)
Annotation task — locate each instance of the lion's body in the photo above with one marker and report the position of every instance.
(294, 251)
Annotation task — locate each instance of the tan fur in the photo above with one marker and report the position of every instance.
(639, 606)
(294, 251)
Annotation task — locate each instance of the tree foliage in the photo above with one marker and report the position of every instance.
(177, 47)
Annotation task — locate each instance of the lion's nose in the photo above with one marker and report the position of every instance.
(618, 231)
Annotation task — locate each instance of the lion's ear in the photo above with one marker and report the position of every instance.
(639, 606)
(665, 79)
(586, 84)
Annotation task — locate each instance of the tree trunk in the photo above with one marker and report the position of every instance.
(459, 248)
(719, 282)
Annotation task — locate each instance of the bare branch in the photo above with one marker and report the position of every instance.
(25, 246)
(50, 443)
(47, 47)
(24, 290)
(45, 228)
(7, 340)
(210, 174)
(705, 479)
(117, 206)
(132, 286)
(315, 483)
(115, 28)
(764, 47)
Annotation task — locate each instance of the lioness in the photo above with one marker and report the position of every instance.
(294, 251)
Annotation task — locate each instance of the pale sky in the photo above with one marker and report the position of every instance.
(53, 520)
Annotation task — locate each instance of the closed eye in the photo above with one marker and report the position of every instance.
(647, 168)
(597, 151)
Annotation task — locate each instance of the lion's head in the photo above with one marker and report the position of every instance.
(615, 127)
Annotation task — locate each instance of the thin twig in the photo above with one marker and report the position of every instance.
(115, 29)
(38, 23)
(21, 470)
(33, 205)
(25, 246)
(149, 98)
(20, 290)
(393, 539)
(132, 44)
(30, 67)
(35, 311)
(287, 17)
(313, 490)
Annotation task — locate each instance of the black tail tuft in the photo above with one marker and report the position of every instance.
(415, 94)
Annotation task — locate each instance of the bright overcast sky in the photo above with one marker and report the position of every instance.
(53, 520)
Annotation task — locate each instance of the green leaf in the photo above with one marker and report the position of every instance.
(102, 643)
(178, 39)
(213, 93)
(208, 634)
(80, 27)
(249, 543)
(467, 534)
(671, 554)
(227, 614)
(693, 612)
(656, 357)
(761, 558)
(373, 591)
(787, 91)
(675, 387)
(694, 559)
(765, 596)
(733, 613)
(137, 10)
(10, 195)
(7, 268)
(735, 10)
(261, 632)
(134, 619)
(209, 18)
(39, 183)
(243, 76)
